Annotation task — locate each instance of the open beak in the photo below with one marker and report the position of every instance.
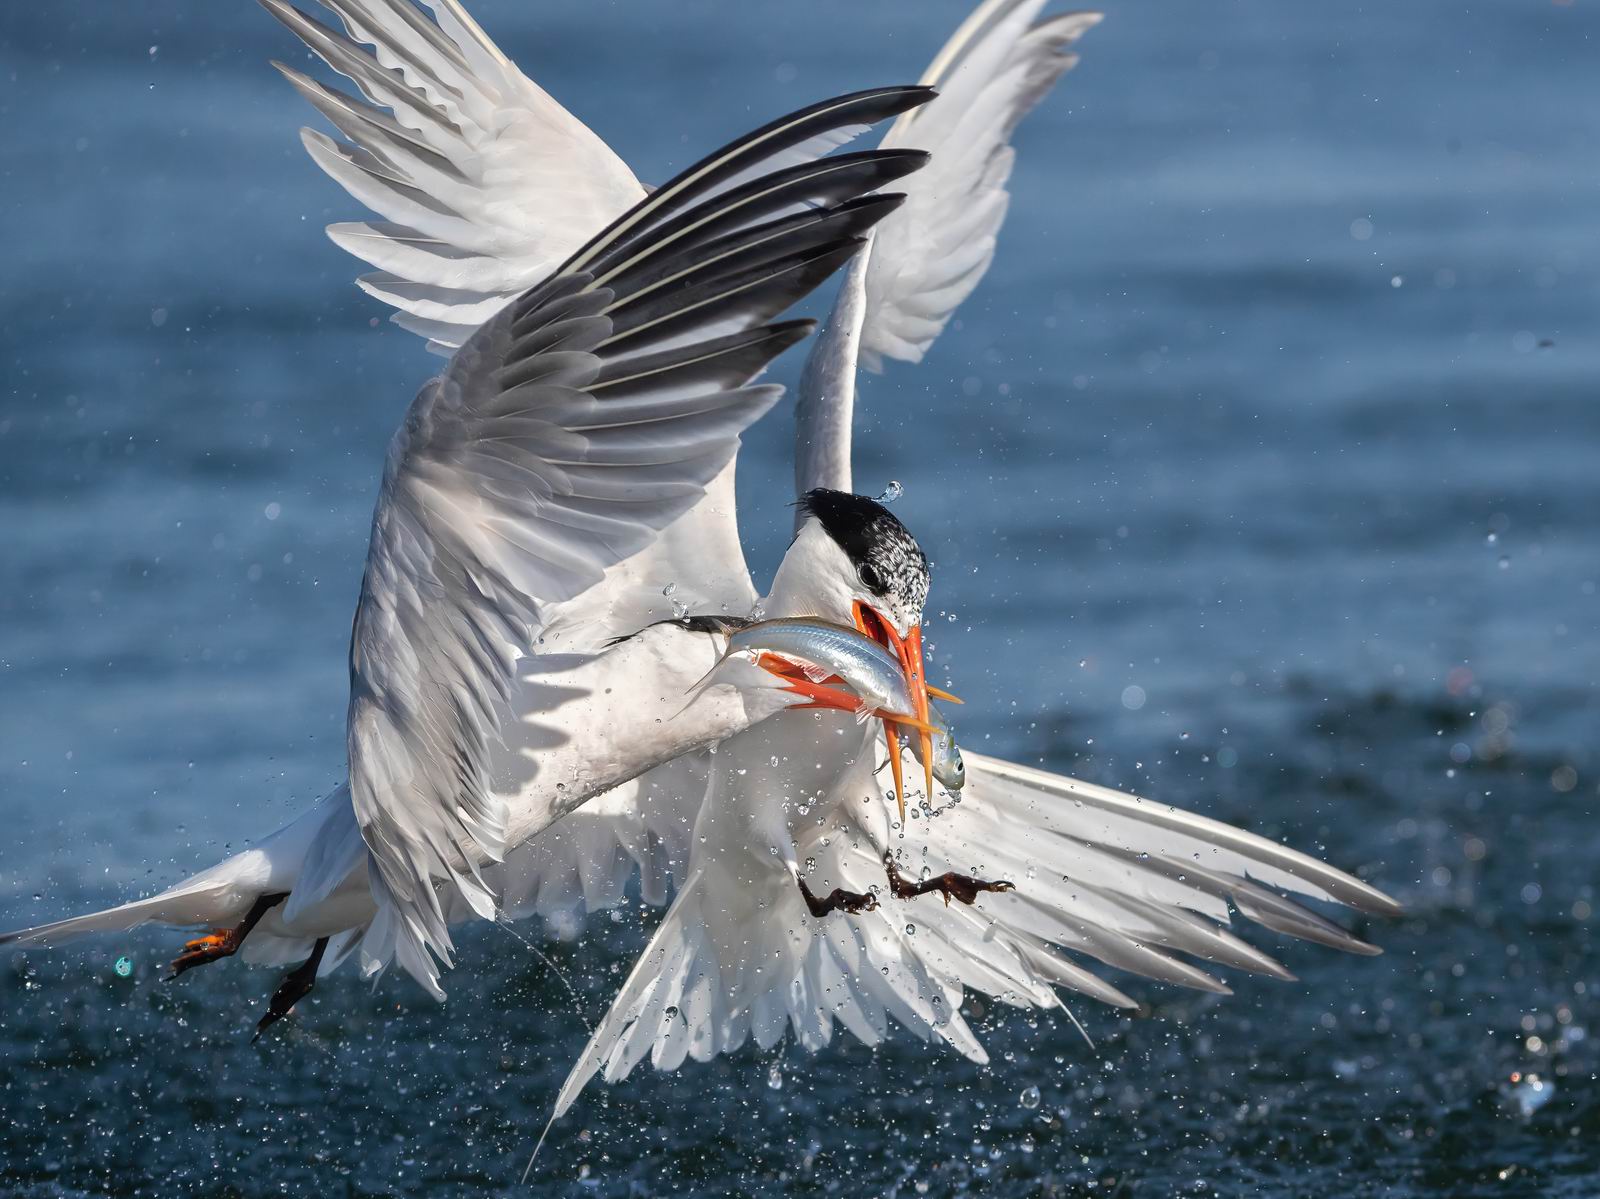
(909, 650)
(916, 676)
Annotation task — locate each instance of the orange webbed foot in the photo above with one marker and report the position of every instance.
(214, 946)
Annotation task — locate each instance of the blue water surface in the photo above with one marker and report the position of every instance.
(1261, 475)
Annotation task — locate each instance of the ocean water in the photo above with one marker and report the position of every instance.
(1261, 476)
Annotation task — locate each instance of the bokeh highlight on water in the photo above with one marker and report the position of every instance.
(1259, 476)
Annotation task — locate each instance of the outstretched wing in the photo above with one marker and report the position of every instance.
(1100, 877)
(925, 260)
(483, 182)
(584, 417)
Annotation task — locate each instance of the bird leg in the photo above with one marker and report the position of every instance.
(295, 986)
(837, 900)
(222, 943)
(961, 886)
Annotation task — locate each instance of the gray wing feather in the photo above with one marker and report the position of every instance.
(580, 420)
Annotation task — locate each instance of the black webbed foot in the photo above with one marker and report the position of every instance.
(296, 986)
(951, 885)
(838, 899)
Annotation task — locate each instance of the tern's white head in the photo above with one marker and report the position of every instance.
(854, 563)
(850, 554)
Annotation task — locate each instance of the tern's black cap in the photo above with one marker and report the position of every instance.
(882, 549)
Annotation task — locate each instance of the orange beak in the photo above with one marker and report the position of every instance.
(911, 662)
(909, 650)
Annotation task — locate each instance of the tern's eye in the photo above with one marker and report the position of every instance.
(871, 579)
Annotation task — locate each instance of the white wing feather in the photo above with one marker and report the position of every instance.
(485, 184)
(578, 422)
(928, 257)
(493, 500)
(1100, 875)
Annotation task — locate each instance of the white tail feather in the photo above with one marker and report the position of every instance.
(204, 899)
(222, 894)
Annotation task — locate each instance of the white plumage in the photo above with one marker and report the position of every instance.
(1100, 875)
(927, 258)
(485, 184)
(932, 254)
(575, 458)
(588, 413)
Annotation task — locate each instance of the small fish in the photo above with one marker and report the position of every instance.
(948, 767)
(820, 650)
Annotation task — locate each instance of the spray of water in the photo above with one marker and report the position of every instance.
(577, 1007)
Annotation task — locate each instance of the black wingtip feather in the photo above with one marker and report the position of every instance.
(769, 141)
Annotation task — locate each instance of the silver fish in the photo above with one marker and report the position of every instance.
(948, 767)
(822, 649)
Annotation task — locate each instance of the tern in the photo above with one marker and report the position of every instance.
(802, 894)
(587, 414)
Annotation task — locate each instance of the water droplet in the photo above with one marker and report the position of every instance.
(124, 966)
(775, 1078)
(672, 1013)
(911, 930)
(892, 492)
(1029, 1097)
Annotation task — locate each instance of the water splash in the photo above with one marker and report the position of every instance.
(679, 608)
(892, 492)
